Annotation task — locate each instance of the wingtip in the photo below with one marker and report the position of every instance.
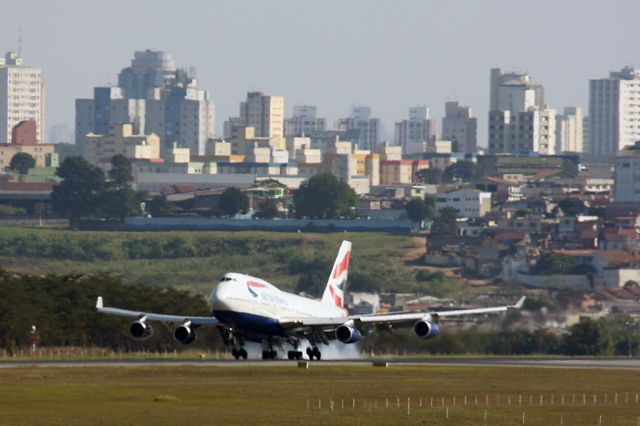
(520, 302)
(99, 303)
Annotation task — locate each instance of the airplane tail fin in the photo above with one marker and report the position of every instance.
(334, 292)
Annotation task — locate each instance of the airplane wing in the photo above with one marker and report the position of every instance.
(395, 318)
(153, 317)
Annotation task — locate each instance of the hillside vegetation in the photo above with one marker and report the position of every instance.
(195, 260)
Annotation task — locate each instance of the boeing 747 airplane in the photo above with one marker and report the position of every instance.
(246, 308)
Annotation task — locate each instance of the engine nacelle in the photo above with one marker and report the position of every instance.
(185, 334)
(347, 333)
(426, 329)
(140, 330)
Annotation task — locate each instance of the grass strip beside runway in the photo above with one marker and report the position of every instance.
(322, 394)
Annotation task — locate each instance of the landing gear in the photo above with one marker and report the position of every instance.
(239, 353)
(269, 354)
(314, 352)
(292, 355)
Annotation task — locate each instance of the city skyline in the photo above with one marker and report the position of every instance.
(320, 55)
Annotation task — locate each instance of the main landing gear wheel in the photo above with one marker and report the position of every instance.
(269, 354)
(314, 352)
(239, 353)
(294, 355)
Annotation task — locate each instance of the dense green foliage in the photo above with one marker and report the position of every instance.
(418, 210)
(606, 336)
(22, 162)
(324, 196)
(194, 260)
(553, 263)
(431, 176)
(85, 193)
(233, 201)
(444, 225)
(80, 191)
(462, 171)
(63, 309)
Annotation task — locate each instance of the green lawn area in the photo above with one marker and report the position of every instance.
(237, 394)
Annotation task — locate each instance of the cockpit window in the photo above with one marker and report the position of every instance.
(225, 278)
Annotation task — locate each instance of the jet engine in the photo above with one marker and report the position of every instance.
(185, 334)
(426, 328)
(347, 333)
(140, 330)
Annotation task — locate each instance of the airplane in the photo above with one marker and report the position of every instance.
(247, 308)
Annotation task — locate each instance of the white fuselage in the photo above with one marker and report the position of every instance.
(256, 300)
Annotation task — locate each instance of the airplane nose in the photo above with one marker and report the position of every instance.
(218, 297)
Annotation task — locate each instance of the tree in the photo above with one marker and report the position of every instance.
(416, 210)
(159, 207)
(586, 338)
(324, 196)
(268, 209)
(233, 201)
(553, 263)
(119, 199)
(462, 171)
(79, 194)
(22, 162)
(121, 173)
(431, 176)
(445, 223)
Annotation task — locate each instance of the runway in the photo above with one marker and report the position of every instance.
(592, 363)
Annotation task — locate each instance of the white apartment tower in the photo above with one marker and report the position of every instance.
(614, 112)
(265, 114)
(519, 122)
(413, 134)
(21, 96)
(304, 121)
(460, 127)
(569, 131)
(369, 129)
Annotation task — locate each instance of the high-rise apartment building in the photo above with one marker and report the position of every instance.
(460, 127)
(21, 96)
(519, 122)
(149, 69)
(370, 131)
(155, 97)
(524, 132)
(304, 121)
(614, 112)
(414, 133)
(265, 114)
(626, 188)
(569, 131)
(512, 91)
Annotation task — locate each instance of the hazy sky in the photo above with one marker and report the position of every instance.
(332, 53)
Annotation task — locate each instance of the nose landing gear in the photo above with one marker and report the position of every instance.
(239, 353)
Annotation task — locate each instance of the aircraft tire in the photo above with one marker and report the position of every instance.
(243, 353)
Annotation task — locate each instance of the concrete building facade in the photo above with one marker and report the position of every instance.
(468, 202)
(412, 134)
(569, 131)
(21, 96)
(304, 121)
(460, 127)
(614, 112)
(120, 140)
(370, 131)
(626, 187)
